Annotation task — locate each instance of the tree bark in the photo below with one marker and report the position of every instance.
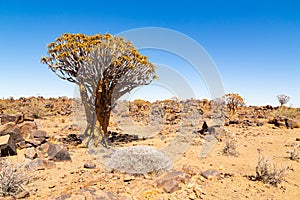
(103, 110)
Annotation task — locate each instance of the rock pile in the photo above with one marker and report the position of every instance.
(19, 134)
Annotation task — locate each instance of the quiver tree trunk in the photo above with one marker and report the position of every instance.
(103, 106)
(90, 114)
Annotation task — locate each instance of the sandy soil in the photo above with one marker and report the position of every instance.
(70, 177)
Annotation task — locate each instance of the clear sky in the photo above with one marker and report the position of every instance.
(254, 44)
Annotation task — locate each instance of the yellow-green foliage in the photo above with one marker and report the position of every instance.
(287, 112)
(234, 101)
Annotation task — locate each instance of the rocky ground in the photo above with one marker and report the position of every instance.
(44, 135)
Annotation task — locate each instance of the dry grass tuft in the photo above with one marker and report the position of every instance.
(267, 172)
(230, 148)
(12, 178)
(294, 153)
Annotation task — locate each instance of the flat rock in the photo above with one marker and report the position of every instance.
(170, 182)
(171, 186)
(35, 141)
(211, 174)
(40, 164)
(39, 134)
(23, 195)
(92, 193)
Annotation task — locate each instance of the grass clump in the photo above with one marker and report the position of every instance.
(294, 153)
(267, 172)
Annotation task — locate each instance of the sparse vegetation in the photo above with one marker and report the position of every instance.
(287, 112)
(12, 178)
(294, 153)
(37, 109)
(230, 148)
(234, 101)
(267, 172)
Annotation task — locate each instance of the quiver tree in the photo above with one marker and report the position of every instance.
(105, 67)
(283, 99)
(233, 101)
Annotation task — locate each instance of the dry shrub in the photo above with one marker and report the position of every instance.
(294, 153)
(37, 110)
(230, 148)
(267, 172)
(12, 178)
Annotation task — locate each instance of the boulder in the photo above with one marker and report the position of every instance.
(12, 130)
(58, 153)
(27, 127)
(40, 164)
(6, 118)
(7, 146)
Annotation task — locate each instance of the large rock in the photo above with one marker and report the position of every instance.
(5, 118)
(7, 146)
(12, 130)
(27, 127)
(36, 137)
(58, 152)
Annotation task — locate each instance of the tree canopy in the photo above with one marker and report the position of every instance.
(104, 66)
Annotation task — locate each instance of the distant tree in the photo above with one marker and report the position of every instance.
(105, 67)
(233, 101)
(283, 99)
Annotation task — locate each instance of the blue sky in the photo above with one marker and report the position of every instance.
(254, 44)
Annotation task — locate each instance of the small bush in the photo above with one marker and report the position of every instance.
(139, 160)
(12, 178)
(230, 148)
(268, 173)
(294, 153)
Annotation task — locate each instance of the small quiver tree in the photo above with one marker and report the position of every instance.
(105, 67)
(233, 102)
(283, 99)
